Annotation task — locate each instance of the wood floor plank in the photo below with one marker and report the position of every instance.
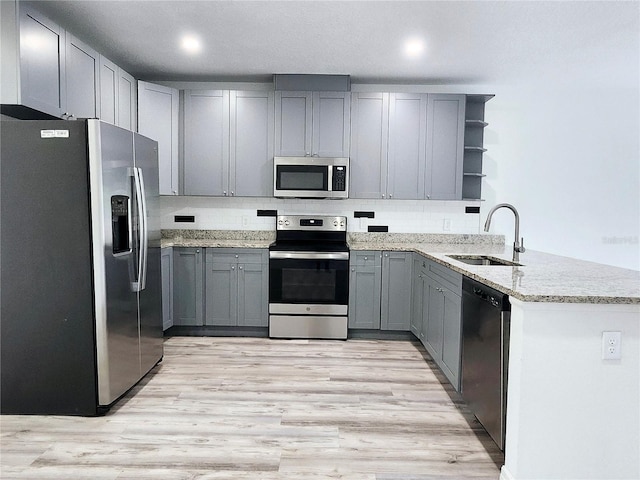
(249, 408)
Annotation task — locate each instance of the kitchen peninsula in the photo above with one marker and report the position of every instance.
(558, 381)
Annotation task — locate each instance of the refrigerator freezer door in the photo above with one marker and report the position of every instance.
(150, 297)
(117, 330)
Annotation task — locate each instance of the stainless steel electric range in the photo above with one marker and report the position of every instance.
(309, 278)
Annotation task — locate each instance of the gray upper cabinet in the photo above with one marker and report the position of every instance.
(82, 79)
(445, 146)
(228, 143)
(108, 72)
(396, 291)
(312, 123)
(406, 168)
(158, 120)
(42, 62)
(206, 143)
(407, 146)
(47, 69)
(251, 147)
(127, 101)
(33, 63)
(369, 138)
(118, 96)
(364, 289)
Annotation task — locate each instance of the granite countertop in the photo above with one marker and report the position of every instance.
(542, 277)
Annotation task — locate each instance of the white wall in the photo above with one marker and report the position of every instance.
(403, 216)
(566, 154)
(571, 414)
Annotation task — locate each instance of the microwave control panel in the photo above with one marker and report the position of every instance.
(339, 183)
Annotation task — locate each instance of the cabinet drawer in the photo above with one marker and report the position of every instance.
(366, 258)
(230, 255)
(447, 277)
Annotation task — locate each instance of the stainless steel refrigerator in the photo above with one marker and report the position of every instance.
(81, 308)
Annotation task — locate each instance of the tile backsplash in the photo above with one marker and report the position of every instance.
(401, 216)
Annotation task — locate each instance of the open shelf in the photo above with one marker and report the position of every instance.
(474, 146)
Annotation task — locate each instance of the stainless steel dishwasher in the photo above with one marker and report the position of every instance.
(486, 316)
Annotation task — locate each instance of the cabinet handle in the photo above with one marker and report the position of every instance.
(307, 154)
(224, 193)
(174, 192)
(237, 256)
(428, 197)
(353, 269)
(386, 255)
(233, 267)
(232, 193)
(383, 195)
(197, 251)
(390, 195)
(366, 258)
(240, 267)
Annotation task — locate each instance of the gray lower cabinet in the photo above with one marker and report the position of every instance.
(380, 290)
(236, 292)
(396, 291)
(166, 268)
(365, 283)
(437, 314)
(188, 283)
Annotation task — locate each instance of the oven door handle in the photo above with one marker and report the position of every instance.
(309, 255)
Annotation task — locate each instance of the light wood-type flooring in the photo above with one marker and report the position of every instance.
(261, 409)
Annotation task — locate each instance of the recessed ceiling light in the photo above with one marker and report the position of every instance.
(191, 44)
(414, 47)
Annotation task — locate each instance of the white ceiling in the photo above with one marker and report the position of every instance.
(466, 41)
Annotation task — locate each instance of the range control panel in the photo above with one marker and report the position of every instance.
(315, 223)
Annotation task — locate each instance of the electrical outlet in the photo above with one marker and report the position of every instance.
(245, 220)
(611, 345)
(446, 224)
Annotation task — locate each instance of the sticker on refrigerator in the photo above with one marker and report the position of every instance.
(54, 133)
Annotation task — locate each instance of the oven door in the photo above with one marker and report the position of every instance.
(308, 283)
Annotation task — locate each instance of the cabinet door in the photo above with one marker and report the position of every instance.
(406, 146)
(293, 123)
(419, 303)
(445, 146)
(253, 298)
(166, 267)
(42, 62)
(364, 296)
(82, 79)
(222, 294)
(108, 90)
(331, 124)
(251, 143)
(396, 291)
(435, 314)
(451, 337)
(158, 120)
(127, 103)
(369, 137)
(206, 142)
(188, 283)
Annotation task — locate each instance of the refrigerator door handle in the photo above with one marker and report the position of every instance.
(145, 231)
(138, 285)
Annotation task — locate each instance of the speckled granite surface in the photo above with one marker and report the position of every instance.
(541, 278)
(218, 238)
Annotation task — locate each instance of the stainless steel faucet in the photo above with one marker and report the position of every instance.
(518, 248)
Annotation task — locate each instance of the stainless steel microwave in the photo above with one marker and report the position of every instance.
(311, 177)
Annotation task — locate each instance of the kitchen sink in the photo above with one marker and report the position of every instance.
(484, 260)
